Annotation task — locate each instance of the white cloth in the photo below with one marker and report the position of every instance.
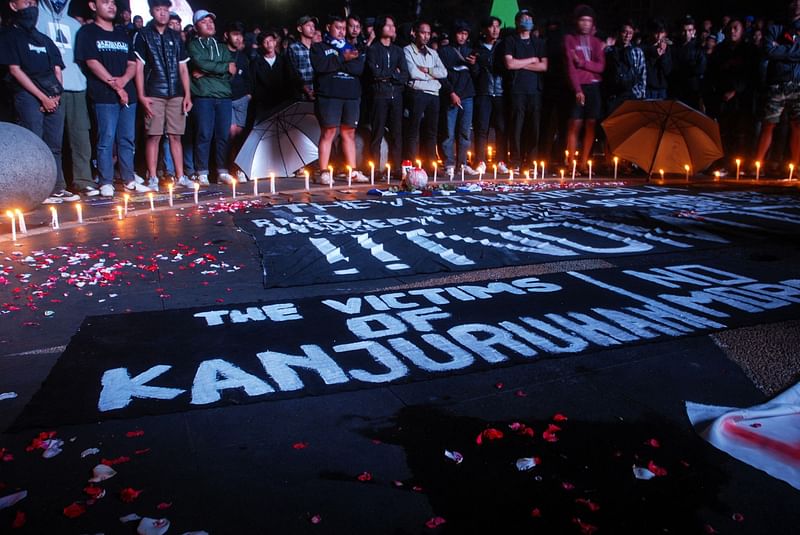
(766, 436)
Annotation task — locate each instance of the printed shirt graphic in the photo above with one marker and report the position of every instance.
(35, 60)
(62, 29)
(113, 50)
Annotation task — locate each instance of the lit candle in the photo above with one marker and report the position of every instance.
(435, 170)
(686, 168)
(716, 176)
(738, 168)
(494, 166)
(758, 170)
(388, 173)
(54, 219)
(566, 157)
(535, 171)
(791, 170)
(152, 206)
(419, 163)
(616, 166)
(511, 175)
(372, 173)
(574, 168)
(462, 172)
(469, 156)
(490, 153)
(308, 180)
(233, 189)
(543, 175)
(119, 212)
(10, 214)
(196, 190)
(79, 209)
(272, 183)
(23, 228)
(330, 172)
(126, 198)
(562, 173)
(255, 186)
(527, 174)
(661, 172)
(590, 169)
(480, 176)
(349, 176)
(169, 189)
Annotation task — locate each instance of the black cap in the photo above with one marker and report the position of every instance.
(521, 13)
(461, 25)
(159, 3)
(305, 18)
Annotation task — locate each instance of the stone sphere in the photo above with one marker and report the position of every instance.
(27, 169)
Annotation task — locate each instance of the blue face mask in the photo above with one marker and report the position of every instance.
(526, 25)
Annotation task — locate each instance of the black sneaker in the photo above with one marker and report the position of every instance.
(66, 196)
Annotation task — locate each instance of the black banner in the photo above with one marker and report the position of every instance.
(311, 243)
(130, 365)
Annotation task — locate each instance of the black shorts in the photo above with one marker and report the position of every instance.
(333, 112)
(593, 107)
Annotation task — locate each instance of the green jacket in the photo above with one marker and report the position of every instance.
(211, 58)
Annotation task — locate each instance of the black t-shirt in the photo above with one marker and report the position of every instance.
(35, 53)
(113, 50)
(522, 81)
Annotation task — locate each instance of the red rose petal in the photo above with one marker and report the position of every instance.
(316, 519)
(499, 385)
(112, 462)
(521, 394)
(558, 417)
(74, 510)
(709, 529)
(300, 445)
(365, 476)
(164, 505)
(19, 520)
(435, 522)
(566, 485)
(129, 495)
(589, 504)
(586, 529)
(536, 512)
(738, 517)
(653, 443)
(136, 433)
(657, 470)
(488, 434)
(94, 492)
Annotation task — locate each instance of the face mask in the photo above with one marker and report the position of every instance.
(526, 25)
(26, 18)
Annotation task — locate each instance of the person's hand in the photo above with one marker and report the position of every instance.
(232, 68)
(424, 70)
(611, 41)
(187, 104)
(147, 104)
(114, 83)
(197, 75)
(455, 100)
(123, 97)
(661, 49)
(49, 104)
(580, 98)
(576, 59)
(472, 58)
(309, 92)
(350, 54)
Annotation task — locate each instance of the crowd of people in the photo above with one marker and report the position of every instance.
(463, 94)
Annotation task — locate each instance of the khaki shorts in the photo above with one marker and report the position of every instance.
(168, 117)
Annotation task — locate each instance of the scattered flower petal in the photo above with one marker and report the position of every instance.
(364, 476)
(558, 417)
(315, 519)
(709, 529)
(119, 460)
(435, 522)
(527, 463)
(489, 434)
(11, 499)
(19, 520)
(129, 495)
(653, 443)
(95, 492)
(164, 505)
(129, 518)
(536, 512)
(152, 526)
(74, 510)
(91, 451)
(498, 385)
(589, 504)
(300, 445)
(454, 456)
(738, 517)
(134, 434)
(7, 395)
(101, 472)
(642, 473)
(566, 485)
(586, 529)
(656, 470)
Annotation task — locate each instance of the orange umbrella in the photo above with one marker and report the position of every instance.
(663, 134)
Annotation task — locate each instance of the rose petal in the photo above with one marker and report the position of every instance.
(653, 443)
(589, 504)
(435, 522)
(19, 520)
(526, 463)
(656, 470)
(364, 476)
(642, 473)
(558, 417)
(129, 495)
(316, 519)
(536, 512)
(454, 456)
(300, 445)
(74, 510)
(136, 433)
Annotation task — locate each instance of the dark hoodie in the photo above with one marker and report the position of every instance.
(387, 69)
(459, 72)
(333, 76)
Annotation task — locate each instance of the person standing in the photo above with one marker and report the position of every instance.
(241, 92)
(658, 58)
(626, 69)
(162, 88)
(425, 69)
(299, 55)
(105, 53)
(56, 23)
(688, 66)
(269, 73)
(388, 73)
(490, 109)
(337, 69)
(212, 67)
(34, 65)
(458, 94)
(525, 60)
(585, 65)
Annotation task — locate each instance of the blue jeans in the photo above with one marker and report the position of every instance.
(48, 126)
(459, 124)
(212, 119)
(116, 124)
(166, 156)
(656, 94)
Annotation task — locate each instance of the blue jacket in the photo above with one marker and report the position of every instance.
(782, 47)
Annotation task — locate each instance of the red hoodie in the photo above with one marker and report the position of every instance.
(585, 60)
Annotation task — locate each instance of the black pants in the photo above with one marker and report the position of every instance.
(386, 113)
(422, 122)
(526, 114)
(490, 112)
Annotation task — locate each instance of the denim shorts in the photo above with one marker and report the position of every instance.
(239, 111)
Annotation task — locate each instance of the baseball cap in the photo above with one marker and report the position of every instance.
(305, 18)
(158, 3)
(200, 14)
(521, 13)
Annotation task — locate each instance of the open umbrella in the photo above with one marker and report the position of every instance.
(282, 143)
(663, 134)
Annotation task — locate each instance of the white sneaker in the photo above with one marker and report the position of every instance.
(225, 178)
(502, 169)
(107, 190)
(358, 176)
(52, 200)
(185, 182)
(469, 170)
(450, 172)
(135, 186)
(481, 168)
(241, 176)
(153, 183)
(324, 178)
(138, 179)
(202, 180)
